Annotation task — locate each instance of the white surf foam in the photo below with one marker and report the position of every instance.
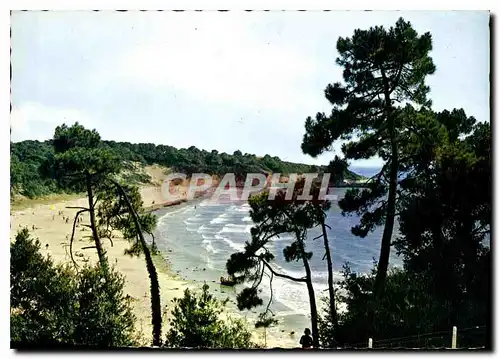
(207, 244)
(219, 219)
(240, 247)
(236, 228)
(165, 217)
(204, 229)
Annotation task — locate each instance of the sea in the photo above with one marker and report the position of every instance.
(198, 237)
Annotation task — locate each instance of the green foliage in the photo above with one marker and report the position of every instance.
(265, 321)
(124, 211)
(38, 169)
(105, 316)
(81, 160)
(381, 69)
(113, 214)
(42, 295)
(446, 218)
(436, 177)
(76, 136)
(273, 217)
(192, 160)
(26, 178)
(196, 323)
(53, 305)
(445, 228)
(407, 307)
(377, 62)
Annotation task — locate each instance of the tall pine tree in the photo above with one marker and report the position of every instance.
(383, 69)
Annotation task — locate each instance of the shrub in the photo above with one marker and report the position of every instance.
(196, 323)
(52, 305)
(408, 307)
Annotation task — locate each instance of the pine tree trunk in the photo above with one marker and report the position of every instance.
(331, 291)
(385, 246)
(310, 291)
(98, 245)
(153, 275)
(312, 304)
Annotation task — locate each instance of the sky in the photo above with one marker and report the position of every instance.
(216, 80)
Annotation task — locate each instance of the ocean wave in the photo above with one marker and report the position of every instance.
(205, 229)
(219, 237)
(294, 295)
(291, 294)
(165, 217)
(240, 247)
(195, 219)
(207, 245)
(220, 219)
(244, 208)
(224, 228)
(236, 228)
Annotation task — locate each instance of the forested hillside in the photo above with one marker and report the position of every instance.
(28, 158)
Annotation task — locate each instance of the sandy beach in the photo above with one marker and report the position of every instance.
(52, 225)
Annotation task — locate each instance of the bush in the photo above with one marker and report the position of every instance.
(52, 305)
(407, 307)
(196, 323)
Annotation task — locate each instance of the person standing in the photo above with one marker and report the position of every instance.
(306, 340)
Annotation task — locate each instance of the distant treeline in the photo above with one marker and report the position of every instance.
(28, 158)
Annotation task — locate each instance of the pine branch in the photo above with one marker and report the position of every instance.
(73, 236)
(321, 235)
(302, 280)
(271, 296)
(396, 81)
(255, 285)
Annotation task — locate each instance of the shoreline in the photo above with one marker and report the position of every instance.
(279, 336)
(53, 230)
(158, 206)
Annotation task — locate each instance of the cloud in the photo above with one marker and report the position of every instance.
(220, 59)
(35, 121)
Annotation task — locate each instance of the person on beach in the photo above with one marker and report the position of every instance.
(306, 340)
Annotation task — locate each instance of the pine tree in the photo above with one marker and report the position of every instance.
(382, 69)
